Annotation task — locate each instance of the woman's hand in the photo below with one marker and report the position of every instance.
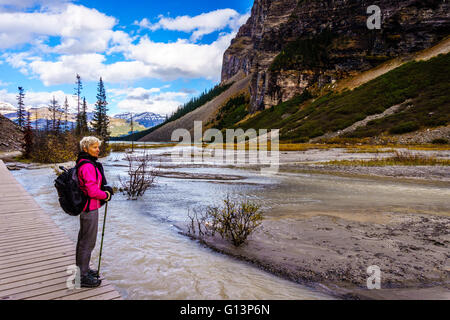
(108, 196)
(109, 189)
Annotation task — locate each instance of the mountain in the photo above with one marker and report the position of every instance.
(287, 46)
(146, 119)
(6, 108)
(314, 70)
(119, 124)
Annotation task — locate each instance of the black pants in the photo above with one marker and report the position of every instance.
(87, 237)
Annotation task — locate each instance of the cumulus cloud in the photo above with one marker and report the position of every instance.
(80, 29)
(150, 100)
(15, 5)
(40, 99)
(199, 25)
(181, 59)
(146, 59)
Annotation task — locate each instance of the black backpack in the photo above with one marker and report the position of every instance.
(71, 198)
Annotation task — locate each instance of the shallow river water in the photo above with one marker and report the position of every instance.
(145, 257)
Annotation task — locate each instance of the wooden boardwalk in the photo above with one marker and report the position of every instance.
(35, 252)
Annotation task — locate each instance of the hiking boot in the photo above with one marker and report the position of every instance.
(89, 282)
(93, 273)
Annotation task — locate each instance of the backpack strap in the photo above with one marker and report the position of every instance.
(77, 166)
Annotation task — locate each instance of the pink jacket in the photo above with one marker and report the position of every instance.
(90, 186)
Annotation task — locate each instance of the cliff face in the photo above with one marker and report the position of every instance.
(11, 137)
(290, 45)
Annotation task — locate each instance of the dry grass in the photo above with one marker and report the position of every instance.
(351, 148)
(121, 147)
(400, 158)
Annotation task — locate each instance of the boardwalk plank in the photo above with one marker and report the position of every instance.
(41, 279)
(40, 264)
(36, 253)
(31, 241)
(113, 295)
(88, 293)
(57, 291)
(41, 268)
(31, 275)
(34, 246)
(26, 261)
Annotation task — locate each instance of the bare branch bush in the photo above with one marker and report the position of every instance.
(140, 176)
(234, 220)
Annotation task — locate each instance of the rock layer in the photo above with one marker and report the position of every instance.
(288, 46)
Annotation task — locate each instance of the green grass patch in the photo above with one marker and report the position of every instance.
(276, 116)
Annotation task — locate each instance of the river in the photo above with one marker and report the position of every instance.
(145, 257)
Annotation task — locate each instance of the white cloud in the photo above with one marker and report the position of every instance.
(11, 5)
(181, 59)
(42, 99)
(152, 100)
(199, 25)
(80, 29)
(86, 37)
(147, 59)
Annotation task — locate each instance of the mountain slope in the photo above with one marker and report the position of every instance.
(11, 137)
(204, 113)
(420, 89)
(288, 46)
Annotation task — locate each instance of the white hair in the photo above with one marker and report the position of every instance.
(86, 142)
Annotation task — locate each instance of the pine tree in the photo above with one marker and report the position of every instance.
(83, 119)
(47, 125)
(21, 108)
(66, 113)
(54, 109)
(101, 120)
(78, 88)
(28, 138)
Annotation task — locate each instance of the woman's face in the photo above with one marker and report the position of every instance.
(93, 150)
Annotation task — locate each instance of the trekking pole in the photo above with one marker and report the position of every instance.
(103, 233)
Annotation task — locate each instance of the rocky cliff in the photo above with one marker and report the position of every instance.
(290, 45)
(11, 137)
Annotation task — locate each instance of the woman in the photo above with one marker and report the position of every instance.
(93, 184)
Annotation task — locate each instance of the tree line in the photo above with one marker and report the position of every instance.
(58, 141)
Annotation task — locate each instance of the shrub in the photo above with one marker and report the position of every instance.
(234, 221)
(404, 127)
(439, 141)
(140, 176)
(54, 148)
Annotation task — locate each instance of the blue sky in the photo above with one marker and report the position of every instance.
(152, 55)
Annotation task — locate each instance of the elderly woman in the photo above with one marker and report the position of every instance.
(93, 183)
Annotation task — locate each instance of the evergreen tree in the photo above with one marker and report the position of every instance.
(54, 108)
(66, 114)
(28, 138)
(21, 108)
(101, 120)
(78, 88)
(83, 119)
(47, 125)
